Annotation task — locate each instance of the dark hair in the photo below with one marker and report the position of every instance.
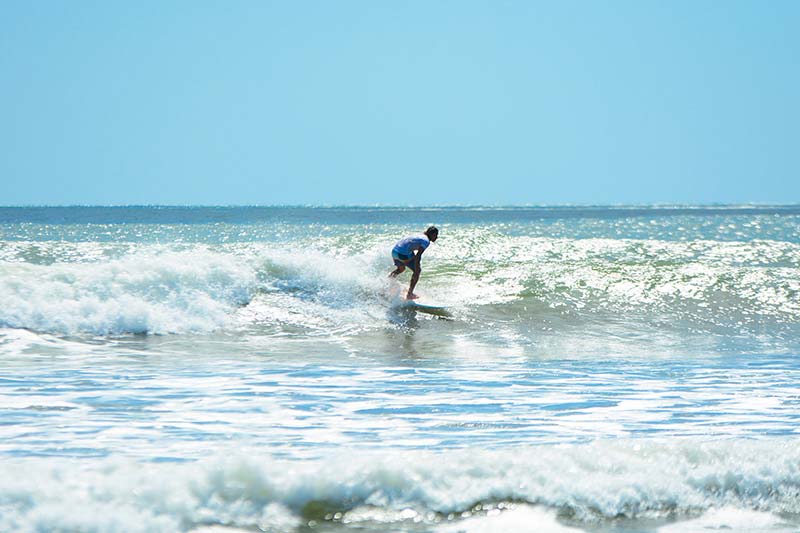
(432, 229)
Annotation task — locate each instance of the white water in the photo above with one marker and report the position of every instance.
(647, 481)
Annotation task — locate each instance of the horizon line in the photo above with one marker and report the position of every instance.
(409, 206)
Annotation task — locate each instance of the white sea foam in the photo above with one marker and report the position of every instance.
(515, 518)
(581, 485)
(146, 292)
(732, 519)
(181, 288)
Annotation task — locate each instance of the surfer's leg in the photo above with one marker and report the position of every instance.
(414, 278)
(397, 271)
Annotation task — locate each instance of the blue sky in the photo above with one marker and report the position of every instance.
(378, 102)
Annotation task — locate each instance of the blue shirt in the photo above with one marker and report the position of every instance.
(409, 244)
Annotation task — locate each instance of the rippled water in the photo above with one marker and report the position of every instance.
(630, 369)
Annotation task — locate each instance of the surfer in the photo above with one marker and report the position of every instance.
(408, 253)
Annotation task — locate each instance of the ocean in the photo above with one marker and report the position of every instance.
(221, 369)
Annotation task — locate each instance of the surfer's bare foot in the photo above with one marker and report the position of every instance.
(411, 296)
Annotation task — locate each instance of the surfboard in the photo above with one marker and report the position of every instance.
(437, 310)
(395, 293)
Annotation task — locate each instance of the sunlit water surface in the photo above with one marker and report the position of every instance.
(603, 369)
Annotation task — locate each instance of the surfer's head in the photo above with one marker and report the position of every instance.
(432, 233)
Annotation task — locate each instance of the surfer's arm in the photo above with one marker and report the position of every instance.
(415, 262)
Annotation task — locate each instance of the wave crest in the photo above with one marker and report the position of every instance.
(601, 482)
(145, 292)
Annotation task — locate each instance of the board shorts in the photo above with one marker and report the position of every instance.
(402, 259)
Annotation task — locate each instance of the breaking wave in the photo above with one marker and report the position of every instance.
(686, 482)
(530, 288)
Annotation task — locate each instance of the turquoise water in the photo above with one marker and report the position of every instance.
(604, 369)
